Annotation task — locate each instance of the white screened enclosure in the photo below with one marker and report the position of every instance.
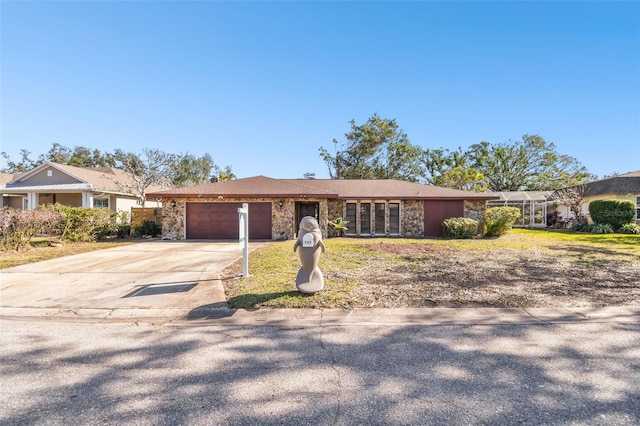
(533, 206)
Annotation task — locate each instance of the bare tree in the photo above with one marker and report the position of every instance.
(572, 196)
(152, 168)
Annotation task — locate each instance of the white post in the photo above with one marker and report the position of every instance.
(87, 200)
(243, 214)
(32, 200)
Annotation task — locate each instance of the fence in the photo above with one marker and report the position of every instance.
(138, 215)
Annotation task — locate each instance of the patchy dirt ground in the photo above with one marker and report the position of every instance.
(431, 275)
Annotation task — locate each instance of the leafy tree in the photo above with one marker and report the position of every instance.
(24, 165)
(401, 160)
(191, 170)
(530, 164)
(451, 169)
(223, 174)
(377, 149)
(57, 154)
(86, 157)
(79, 156)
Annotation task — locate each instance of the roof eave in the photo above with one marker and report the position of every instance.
(325, 196)
(276, 195)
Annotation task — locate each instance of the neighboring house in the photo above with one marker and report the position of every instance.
(621, 187)
(373, 207)
(6, 177)
(537, 206)
(51, 183)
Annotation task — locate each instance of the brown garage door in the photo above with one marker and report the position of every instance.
(220, 221)
(436, 211)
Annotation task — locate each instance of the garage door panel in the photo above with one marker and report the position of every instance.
(260, 221)
(220, 220)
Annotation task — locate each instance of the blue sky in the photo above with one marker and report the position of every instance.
(262, 85)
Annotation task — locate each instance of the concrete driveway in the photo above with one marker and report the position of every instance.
(155, 275)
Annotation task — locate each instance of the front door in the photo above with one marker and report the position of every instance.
(306, 209)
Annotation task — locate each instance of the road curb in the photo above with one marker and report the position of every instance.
(337, 317)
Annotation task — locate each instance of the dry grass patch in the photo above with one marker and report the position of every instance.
(527, 268)
(41, 249)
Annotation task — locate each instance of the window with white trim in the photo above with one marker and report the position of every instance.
(377, 218)
(100, 203)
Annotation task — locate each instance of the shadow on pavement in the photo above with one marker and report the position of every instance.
(263, 375)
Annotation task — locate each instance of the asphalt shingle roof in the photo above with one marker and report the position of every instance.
(388, 189)
(628, 183)
(6, 177)
(262, 186)
(97, 178)
(258, 186)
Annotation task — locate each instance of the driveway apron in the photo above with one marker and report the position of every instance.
(148, 275)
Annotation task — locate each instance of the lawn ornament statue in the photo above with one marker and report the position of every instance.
(309, 245)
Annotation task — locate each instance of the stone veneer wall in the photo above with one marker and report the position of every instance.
(173, 219)
(282, 224)
(412, 218)
(324, 217)
(474, 209)
(283, 218)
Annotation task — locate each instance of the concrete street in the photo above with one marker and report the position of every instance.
(133, 336)
(200, 372)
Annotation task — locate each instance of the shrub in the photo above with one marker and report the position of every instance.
(340, 225)
(460, 227)
(581, 227)
(601, 228)
(613, 212)
(629, 228)
(499, 220)
(123, 230)
(85, 224)
(18, 227)
(146, 227)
